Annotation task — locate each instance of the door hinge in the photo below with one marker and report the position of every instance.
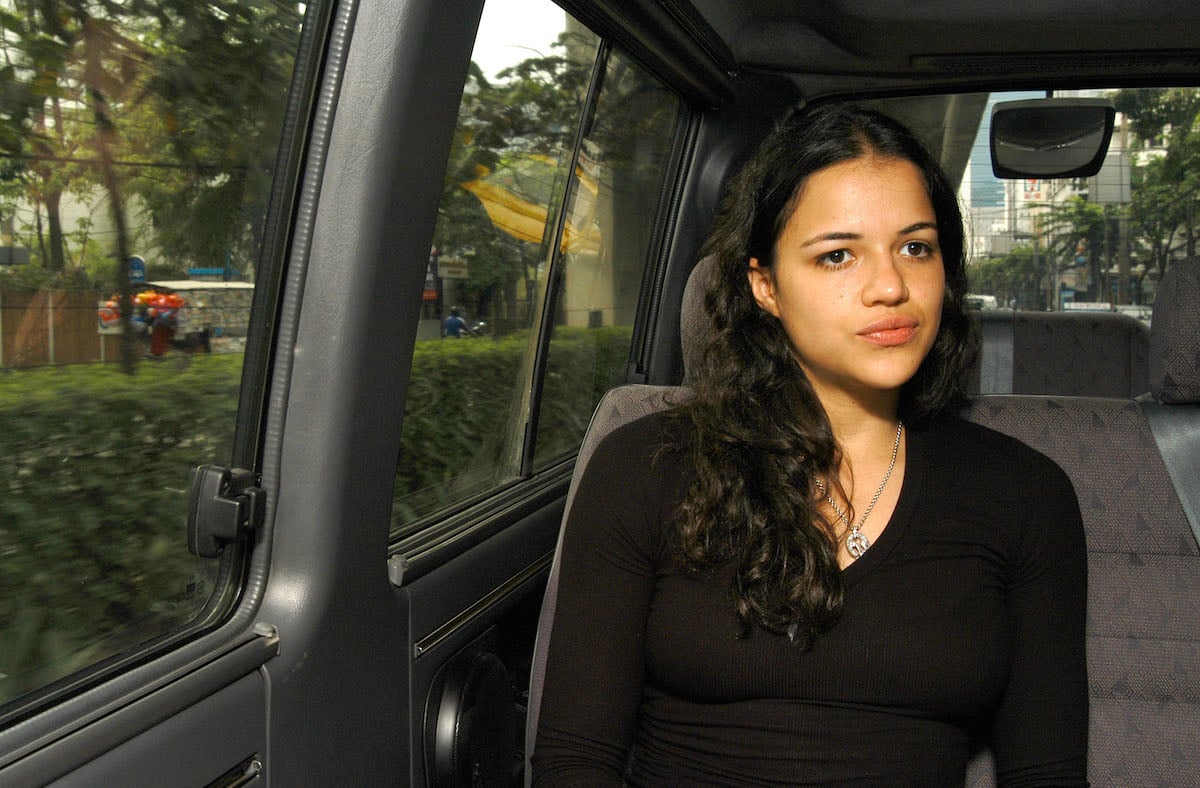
(225, 505)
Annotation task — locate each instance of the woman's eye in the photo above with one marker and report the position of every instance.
(917, 249)
(835, 258)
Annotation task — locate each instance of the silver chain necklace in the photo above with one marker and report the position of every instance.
(857, 542)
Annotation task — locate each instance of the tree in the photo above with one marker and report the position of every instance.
(1164, 211)
(1075, 235)
(42, 107)
(215, 101)
(1155, 113)
(1166, 189)
(172, 109)
(187, 98)
(1014, 278)
(516, 133)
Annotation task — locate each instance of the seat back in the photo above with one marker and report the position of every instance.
(618, 406)
(1143, 633)
(1066, 354)
(1143, 642)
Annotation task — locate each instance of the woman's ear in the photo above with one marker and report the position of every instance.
(762, 285)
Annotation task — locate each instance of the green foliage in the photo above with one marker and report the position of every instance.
(1155, 112)
(582, 365)
(1166, 195)
(33, 277)
(525, 120)
(1012, 278)
(459, 394)
(95, 466)
(192, 93)
(217, 91)
(459, 414)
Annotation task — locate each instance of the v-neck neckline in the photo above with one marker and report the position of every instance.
(906, 503)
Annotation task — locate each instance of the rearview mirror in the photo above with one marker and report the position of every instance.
(1050, 138)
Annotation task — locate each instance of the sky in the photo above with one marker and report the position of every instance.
(513, 30)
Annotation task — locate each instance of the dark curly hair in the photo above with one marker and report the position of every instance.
(761, 434)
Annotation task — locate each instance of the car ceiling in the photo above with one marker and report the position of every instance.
(857, 44)
(955, 48)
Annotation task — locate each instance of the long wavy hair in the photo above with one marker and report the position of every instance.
(761, 434)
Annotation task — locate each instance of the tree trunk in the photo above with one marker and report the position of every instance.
(106, 134)
(57, 260)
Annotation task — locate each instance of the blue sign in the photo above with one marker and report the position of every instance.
(137, 270)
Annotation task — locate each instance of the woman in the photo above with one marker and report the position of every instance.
(810, 572)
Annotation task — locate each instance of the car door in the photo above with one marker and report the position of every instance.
(305, 544)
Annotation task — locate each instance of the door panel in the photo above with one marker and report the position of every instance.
(189, 743)
(488, 600)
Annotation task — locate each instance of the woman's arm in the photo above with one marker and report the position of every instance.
(593, 681)
(1040, 730)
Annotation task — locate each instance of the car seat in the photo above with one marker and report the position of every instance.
(1131, 463)
(1071, 354)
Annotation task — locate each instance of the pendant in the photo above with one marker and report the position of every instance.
(857, 543)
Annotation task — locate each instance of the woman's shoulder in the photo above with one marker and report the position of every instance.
(650, 433)
(650, 444)
(633, 481)
(978, 449)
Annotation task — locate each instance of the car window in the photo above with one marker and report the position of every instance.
(611, 219)
(541, 232)
(1097, 244)
(137, 152)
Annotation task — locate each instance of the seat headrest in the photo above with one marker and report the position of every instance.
(695, 327)
(1175, 335)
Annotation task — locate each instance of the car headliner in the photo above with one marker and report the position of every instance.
(921, 48)
(924, 38)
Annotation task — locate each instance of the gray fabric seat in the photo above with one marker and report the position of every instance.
(1069, 354)
(1143, 560)
(1144, 563)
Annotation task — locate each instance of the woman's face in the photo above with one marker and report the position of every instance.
(858, 278)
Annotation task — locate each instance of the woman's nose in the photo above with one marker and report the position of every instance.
(885, 282)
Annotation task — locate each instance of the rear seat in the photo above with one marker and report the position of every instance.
(1069, 354)
(1143, 559)
(1144, 562)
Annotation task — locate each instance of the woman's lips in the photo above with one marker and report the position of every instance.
(890, 332)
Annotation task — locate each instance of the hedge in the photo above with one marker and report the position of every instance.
(460, 399)
(95, 466)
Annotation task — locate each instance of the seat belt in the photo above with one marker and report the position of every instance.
(996, 362)
(1176, 430)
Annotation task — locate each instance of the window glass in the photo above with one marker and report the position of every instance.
(610, 221)
(464, 426)
(137, 142)
(1098, 244)
(528, 224)
(1101, 243)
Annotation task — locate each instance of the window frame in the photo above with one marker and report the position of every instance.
(453, 529)
(220, 625)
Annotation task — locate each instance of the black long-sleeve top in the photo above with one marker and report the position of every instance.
(963, 624)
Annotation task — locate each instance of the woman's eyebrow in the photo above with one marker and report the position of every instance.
(832, 236)
(838, 235)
